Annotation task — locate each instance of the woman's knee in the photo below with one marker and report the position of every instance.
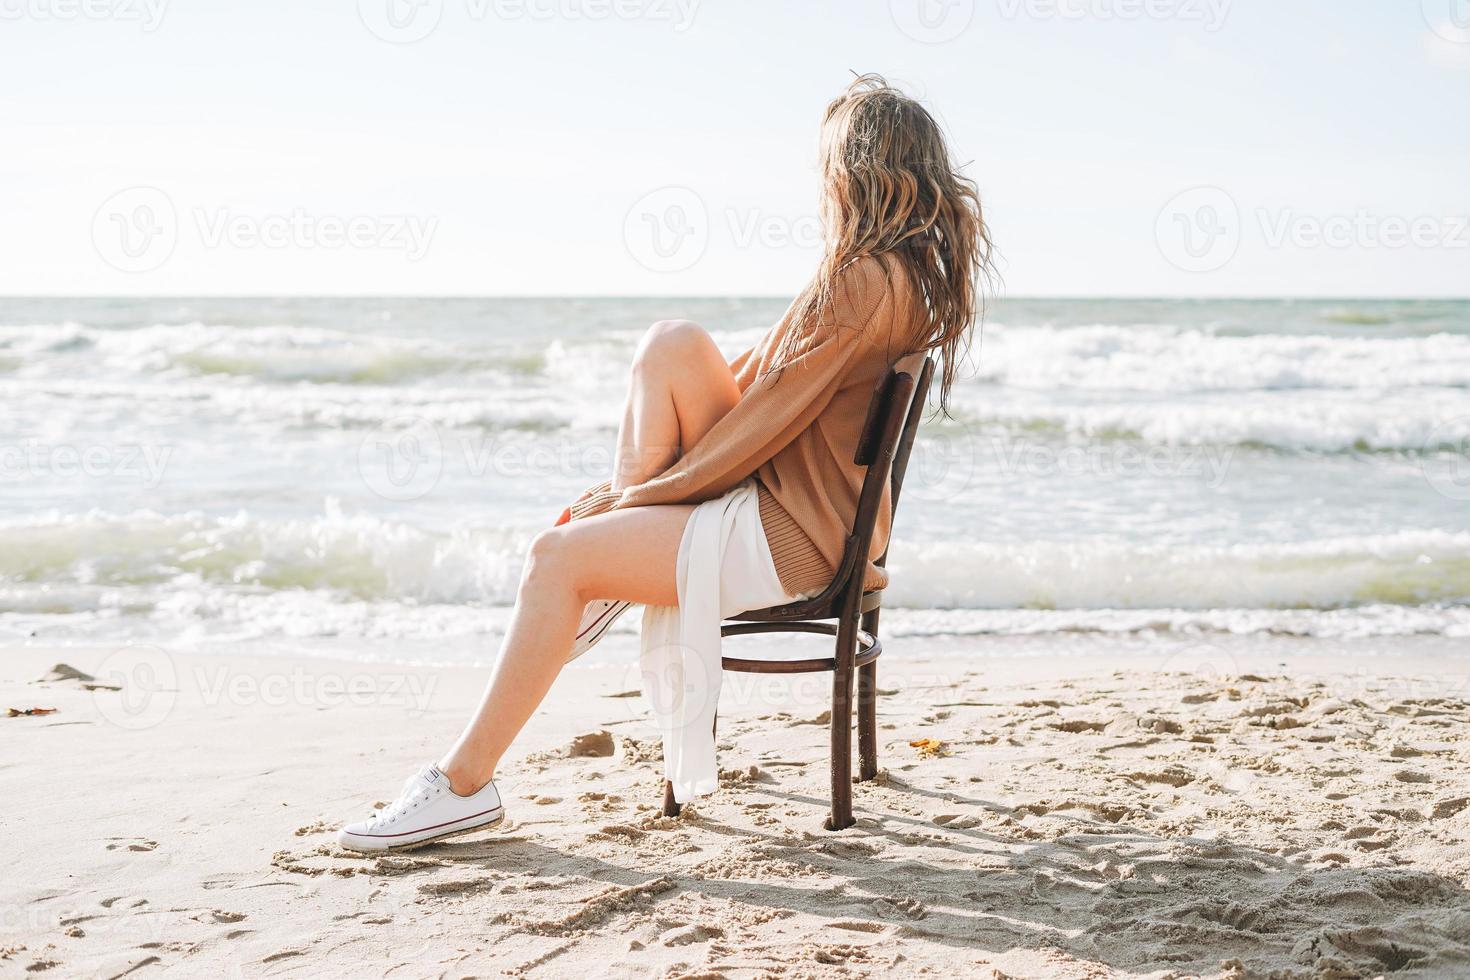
(548, 556)
(552, 562)
(669, 342)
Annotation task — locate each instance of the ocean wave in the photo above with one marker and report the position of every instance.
(1102, 357)
(1375, 620)
(282, 353)
(364, 557)
(1165, 359)
(1412, 422)
(1409, 568)
(355, 556)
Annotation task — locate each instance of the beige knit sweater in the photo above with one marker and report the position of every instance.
(796, 429)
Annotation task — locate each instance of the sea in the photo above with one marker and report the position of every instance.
(364, 475)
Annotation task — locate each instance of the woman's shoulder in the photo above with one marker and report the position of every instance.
(864, 281)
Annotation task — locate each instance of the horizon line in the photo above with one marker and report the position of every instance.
(1194, 297)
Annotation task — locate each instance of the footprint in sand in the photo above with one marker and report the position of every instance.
(591, 745)
(908, 908)
(132, 843)
(686, 935)
(1448, 808)
(957, 821)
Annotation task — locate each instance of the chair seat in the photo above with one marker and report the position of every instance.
(868, 648)
(820, 607)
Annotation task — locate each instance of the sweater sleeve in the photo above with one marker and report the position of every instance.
(778, 406)
(746, 368)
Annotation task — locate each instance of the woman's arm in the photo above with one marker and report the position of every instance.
(772, 411)
(777, 407)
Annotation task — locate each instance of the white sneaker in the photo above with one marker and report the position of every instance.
(426, 810)
(597, 619)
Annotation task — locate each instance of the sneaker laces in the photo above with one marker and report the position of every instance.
(414, 792)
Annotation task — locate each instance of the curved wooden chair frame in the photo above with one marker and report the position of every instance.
(843, 610)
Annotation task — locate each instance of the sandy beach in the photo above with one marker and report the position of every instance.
(1085, 808)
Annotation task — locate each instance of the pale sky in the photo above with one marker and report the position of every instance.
(647, 147)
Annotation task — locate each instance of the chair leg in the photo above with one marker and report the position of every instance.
(841, 816)
(867, 708)
(672, 808)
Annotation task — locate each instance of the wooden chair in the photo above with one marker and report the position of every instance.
(884, 447)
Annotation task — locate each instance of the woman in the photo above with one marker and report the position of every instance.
(734, 483)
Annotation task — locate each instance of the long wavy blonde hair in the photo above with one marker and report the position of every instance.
(889, 186)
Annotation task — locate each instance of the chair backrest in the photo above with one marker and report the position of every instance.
(884, 447)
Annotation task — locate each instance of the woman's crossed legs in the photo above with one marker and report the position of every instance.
(680, 387)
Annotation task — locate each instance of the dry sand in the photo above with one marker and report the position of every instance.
(1086, 816)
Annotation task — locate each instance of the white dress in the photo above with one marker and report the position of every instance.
(724, 568)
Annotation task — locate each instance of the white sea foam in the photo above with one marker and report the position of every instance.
(264, 410)
(1165, 359)
(383, 576)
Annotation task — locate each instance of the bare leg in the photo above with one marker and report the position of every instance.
(680, 387)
